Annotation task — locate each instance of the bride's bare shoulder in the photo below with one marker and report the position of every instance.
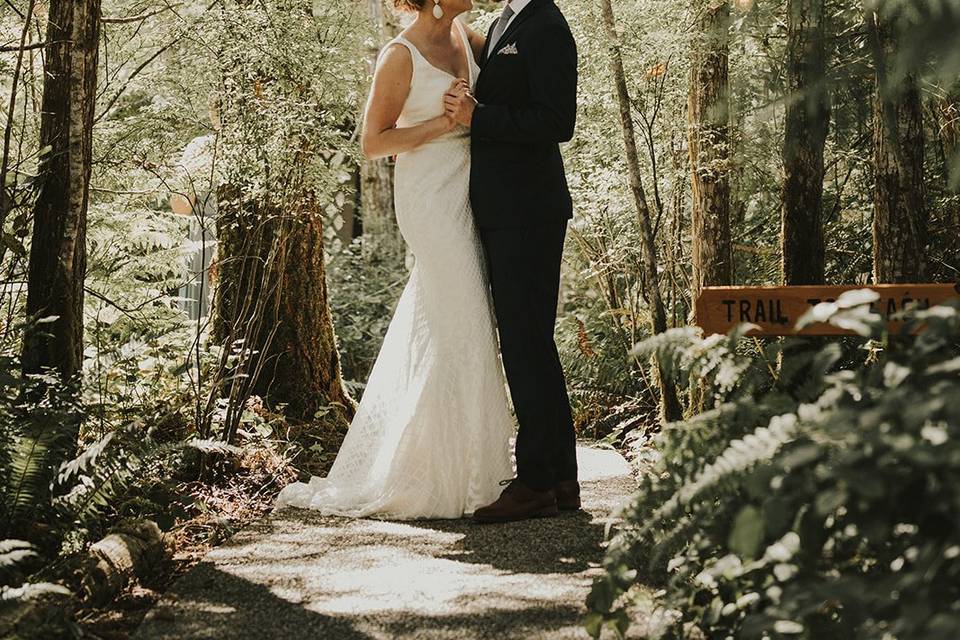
(396, 61)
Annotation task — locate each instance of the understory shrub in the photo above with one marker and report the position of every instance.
(363, 293)
(815, 496)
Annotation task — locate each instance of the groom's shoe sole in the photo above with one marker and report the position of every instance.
(550, 511)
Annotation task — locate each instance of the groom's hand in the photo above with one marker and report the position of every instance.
(458, 102)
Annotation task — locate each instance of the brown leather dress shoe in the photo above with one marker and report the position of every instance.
(568, 495)
(519, 502)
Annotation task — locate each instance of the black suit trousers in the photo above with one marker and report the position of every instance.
(524, 268)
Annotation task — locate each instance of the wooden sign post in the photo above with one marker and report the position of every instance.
(775, 310)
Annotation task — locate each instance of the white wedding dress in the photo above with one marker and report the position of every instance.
(432, 435)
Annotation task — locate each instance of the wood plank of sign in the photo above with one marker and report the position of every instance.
(776, 309)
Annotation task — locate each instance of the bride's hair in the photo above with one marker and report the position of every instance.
(409, 5)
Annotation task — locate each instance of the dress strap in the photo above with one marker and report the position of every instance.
(467, 49)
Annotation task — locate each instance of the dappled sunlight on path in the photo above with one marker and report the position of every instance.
(300, 575)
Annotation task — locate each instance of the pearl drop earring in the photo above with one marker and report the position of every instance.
(437, 9)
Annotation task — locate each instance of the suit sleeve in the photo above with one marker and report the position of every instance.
(551, 113)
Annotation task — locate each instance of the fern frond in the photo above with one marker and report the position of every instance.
(13, 552)
(212, 446)
(32, 591)
(97, 479)
(739, 456)
(70, 470)
(671, 348)
(27, 475)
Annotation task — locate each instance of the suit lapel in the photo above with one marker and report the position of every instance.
(520, 19)
(486, 45)
(524, 15)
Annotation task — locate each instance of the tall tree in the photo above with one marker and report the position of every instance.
(708, 115)
(58, 247)
(669, 404)
(807, 122)
(899, 214)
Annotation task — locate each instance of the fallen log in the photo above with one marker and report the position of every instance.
(135, 549)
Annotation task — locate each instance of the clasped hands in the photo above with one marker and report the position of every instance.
(458, 103)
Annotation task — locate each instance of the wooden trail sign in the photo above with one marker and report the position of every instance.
(776, 309)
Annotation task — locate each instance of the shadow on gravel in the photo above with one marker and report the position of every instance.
(532, 622)
(569, 543)
(234, 608)
(231, 607)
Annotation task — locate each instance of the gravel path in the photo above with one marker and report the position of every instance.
(296, 575)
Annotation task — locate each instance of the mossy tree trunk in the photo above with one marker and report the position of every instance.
(807, 123)
(709, 141)
(899, 213)
(271, 301)
(58, 246)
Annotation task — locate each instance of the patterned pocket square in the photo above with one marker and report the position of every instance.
(509, 50)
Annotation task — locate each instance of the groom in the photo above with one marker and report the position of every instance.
(525, 105)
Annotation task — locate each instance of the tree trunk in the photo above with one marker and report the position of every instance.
(708, 119)
(948, 108)
(306, 372)
(947, 131)
(7, 192)
(948, 125)
(380, 230)
(272, 299)
(807, 122)
(899, 216)
(271, 312)
(58, 247)
(669, 405)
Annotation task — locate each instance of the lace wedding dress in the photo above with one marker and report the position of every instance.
(431, 437)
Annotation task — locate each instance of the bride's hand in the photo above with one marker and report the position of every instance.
(459, 87)
(458, 102)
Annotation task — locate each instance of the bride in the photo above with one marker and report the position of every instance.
(431, 437)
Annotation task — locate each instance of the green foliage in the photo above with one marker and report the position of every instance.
(609, 392)
(275, 88)
(818, 501)
(91, 480)
(38, 426)
(291, 82)
(363, 293)
(14, 554)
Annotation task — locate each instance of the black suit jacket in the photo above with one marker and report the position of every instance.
(527, 106)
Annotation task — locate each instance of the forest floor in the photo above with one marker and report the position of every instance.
(296, 574)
